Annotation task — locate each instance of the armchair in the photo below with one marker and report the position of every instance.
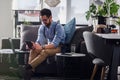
(100, 52)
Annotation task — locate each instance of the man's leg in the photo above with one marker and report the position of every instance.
(28, 68)
(43, 55)
(33, 54)
(35, 60)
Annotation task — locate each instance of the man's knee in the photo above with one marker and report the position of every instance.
(51, 52)
(44, 53)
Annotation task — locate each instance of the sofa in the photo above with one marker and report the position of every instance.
(49, 66)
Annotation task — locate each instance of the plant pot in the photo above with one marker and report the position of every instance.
(101, 20)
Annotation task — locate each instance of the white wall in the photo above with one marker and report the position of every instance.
(6, 22)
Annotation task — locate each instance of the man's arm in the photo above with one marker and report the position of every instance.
(59, 36)
(41, 38)
(34, 46)
(48, 46)
(37, 46)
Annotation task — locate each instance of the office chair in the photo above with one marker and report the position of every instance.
(99, 50)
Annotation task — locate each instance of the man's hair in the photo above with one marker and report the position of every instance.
(46, 12)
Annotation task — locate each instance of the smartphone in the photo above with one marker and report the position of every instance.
(29, 43)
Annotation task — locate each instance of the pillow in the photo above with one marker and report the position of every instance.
(28, 33)
(69, 30)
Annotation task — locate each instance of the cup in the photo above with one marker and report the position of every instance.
(73, 48)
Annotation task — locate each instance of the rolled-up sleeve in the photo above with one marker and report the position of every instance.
(59, 35)
(41, 38)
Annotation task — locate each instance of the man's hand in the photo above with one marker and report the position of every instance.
(28, 45)
(37, 46)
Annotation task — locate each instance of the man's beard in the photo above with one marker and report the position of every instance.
(48, 24)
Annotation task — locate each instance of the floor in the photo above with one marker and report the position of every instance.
(43, 78)
(4, 77)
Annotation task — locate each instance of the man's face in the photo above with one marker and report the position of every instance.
(46, 20)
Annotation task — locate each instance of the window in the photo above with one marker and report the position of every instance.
(28, 16)
(118, 1)
(58, 12)
(67, 9)
(78, 9)
(26, 5)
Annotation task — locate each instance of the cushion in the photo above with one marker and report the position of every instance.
(98, 61)
(69, 30)
(28, 33)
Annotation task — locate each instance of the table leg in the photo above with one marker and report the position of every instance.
(26, 56)
(115, 62)
(1, 58)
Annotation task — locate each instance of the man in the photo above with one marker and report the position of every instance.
(51, 31)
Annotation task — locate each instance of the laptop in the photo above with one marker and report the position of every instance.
(16, 50)
(21, 55)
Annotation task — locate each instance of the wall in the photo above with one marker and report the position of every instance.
(6, 22)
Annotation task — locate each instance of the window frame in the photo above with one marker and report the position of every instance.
(22, 22)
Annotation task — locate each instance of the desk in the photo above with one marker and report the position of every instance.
(73, 66)
(114, 40)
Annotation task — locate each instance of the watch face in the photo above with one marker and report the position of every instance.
(43, 46)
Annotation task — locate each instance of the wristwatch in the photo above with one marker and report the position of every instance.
(43, 46)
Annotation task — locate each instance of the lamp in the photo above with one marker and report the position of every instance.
(98, 2)
(26, 5)
(52, 3)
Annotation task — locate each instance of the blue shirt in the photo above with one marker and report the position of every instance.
(53, 35)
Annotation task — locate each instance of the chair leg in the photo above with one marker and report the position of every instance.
(103, 73)
(94, 72)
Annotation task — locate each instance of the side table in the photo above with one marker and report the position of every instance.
(72, 66)
(7, 59)
(12, 63)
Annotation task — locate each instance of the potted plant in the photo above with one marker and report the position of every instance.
(117, 22)
(91, 12)
(109, 8)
